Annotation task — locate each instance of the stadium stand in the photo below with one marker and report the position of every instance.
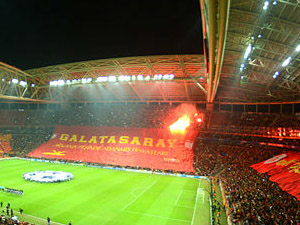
(226, 156)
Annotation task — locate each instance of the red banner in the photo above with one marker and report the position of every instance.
(143, 147)
(283, 169)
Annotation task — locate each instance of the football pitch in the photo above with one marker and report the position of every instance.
(105, 197)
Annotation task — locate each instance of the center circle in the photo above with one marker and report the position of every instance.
(48, 176)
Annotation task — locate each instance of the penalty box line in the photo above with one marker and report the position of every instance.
(138, 196)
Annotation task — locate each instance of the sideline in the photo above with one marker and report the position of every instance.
(37, 219)
(196, 201)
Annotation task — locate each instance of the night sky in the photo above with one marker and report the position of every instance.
(36, 33)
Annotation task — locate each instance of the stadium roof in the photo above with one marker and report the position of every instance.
(261, 63)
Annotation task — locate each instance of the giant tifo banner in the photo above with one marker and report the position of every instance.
(5, 143)
(143, 147)
(283, 169)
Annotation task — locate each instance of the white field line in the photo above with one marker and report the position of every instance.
(203, 195)
(133, 190)
(136, 197)
(180, 193)
(195, 204)
(151, 215)
(185, 206)
(51, 222)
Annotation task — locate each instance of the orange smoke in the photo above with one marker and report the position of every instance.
(180, 125)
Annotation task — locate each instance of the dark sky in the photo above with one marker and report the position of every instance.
(36, 33)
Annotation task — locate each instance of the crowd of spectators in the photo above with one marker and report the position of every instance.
(252, 198)
(6, 220)
(121, 115)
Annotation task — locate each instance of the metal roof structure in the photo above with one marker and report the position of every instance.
(252, 55)
(272, 28)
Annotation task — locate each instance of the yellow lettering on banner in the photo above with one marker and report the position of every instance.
(295, 168)
(82, 139)
(93, 139)
(73, 138)
(148, 142)
(135, 141)
(112, 139)
(64, 137)
(102, 139)
(123, 139)
(284, 162)
(171, 142)
(161, 143)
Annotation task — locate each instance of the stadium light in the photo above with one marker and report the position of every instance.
(248, 50)
(287, 61)
(140, 77)
(102, 79)
(266, 5)
(276, 74)
(14, 81)
(242, 67)
(298, 48)
(112, 78)
(23, 83)
(120, 78)
(60, 82)
(157, 77)
(124, 78)
(86, 80)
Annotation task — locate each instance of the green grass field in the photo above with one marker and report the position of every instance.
(106, 197)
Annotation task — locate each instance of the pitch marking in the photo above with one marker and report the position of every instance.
(180, 193)
(195, 204)
(52, 222)
(136, 197)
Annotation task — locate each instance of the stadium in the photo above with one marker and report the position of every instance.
(178, 139)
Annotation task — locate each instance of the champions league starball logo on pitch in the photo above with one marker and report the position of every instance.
(48, 176)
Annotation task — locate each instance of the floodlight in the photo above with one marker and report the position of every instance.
(60, 82)
(14, 81)
(248, 50)
(266, 5)
(23, 83)
(140, 77)
(112, 78)
(287, 61)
